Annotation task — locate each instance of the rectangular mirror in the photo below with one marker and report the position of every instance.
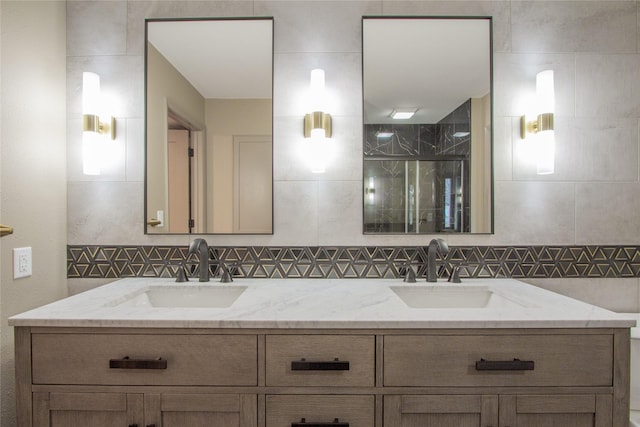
(209, 126)
(427, 87)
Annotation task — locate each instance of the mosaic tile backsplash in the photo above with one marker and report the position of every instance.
(358, 262)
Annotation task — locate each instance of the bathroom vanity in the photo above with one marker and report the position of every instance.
(294, 353)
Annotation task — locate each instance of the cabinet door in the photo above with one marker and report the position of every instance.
(201, 410)
(441, 411)
(556, 411)
(87, 409)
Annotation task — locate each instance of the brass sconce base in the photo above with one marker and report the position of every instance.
(92, 123)
(5, 230)
(543, 122)
(317, 120)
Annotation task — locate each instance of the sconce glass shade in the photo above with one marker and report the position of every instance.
(317, 152)
(545, 92)
(545, 95)
(545, 152)
(317, 93)
(91, 144)
(91, 153)
(90, 94)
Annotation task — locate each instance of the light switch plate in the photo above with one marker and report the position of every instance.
(22, 266)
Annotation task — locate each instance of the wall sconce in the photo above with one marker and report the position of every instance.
(317, 124)
(541, 129)
(94, 130)
(370, 190)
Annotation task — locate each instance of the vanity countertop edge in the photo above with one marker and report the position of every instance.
(318, 304)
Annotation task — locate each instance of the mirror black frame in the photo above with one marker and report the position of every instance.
(492, 147)
(146, 43)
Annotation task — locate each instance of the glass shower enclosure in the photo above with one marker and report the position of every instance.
(416, 196)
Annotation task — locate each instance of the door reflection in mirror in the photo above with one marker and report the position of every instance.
(208, 85)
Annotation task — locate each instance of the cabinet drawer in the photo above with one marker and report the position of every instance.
(288, 411)
(320, 360)
(100, 359)
(558, 360)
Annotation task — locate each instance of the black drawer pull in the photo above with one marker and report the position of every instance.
(332, 365)
(127, 363)
(504, 365)
(336, 423)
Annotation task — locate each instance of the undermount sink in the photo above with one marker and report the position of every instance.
(203, 296)
(452, 296)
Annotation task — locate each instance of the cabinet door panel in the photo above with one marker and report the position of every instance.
(555, 420)
(199, 419)
(84, 418)
(87, 409)
(201, 410)
(556, 411)
(441, 411)
(440, 420)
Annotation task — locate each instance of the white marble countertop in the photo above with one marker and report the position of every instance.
(320, 303)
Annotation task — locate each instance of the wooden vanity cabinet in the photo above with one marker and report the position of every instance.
(293, 377)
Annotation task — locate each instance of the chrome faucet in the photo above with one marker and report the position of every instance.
(200, 247)
(435, 246)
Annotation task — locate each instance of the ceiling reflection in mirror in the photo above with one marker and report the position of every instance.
(209, 121)
(427, 125)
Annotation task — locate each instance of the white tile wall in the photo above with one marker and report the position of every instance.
(584, 26)
(607, 85)
(542, 212)
(620, 295)
(591, 45)
(607, 211)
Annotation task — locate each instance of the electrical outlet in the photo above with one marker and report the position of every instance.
(22, 266)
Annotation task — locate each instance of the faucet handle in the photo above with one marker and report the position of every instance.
(410, 276)
(408, 273)
(225, 277)
(455, 275)
(181, 274)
